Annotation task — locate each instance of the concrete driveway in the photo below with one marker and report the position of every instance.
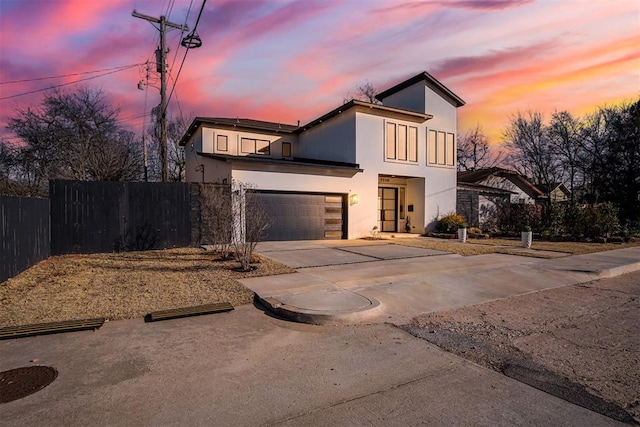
(344, 282)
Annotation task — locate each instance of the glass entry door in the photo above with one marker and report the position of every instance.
(387, 209)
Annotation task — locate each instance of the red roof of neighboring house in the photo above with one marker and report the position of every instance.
(477, 176)
(483, 188)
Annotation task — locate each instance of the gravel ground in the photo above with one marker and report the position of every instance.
(124, 285)
(579, 342)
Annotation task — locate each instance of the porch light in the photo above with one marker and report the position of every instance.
(353, 199)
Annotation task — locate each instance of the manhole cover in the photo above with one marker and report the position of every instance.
(20, 382)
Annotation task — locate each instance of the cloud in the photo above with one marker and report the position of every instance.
(235, 24)
(414, 6)
(485, 4)
(493, 60)
(285, 60)
(574, 80)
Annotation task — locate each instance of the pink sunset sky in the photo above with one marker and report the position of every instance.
(285, 60)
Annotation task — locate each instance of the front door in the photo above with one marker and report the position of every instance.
(387, 209)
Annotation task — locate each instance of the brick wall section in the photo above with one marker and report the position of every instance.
(467, 205)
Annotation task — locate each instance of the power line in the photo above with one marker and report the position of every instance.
(177, 100)
(181, 34)
(162, 21)
(67, 84)
(68, 75)
(175, 81)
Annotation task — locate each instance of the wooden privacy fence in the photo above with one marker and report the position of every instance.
(24, 234)
(91, 217)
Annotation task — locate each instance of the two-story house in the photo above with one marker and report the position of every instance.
(360, 166)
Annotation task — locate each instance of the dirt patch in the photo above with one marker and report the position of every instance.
(125, 285)
(580, 343)
(539, 249)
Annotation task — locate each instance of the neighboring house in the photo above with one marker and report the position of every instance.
(359, 166)
(522, 190)
(484, 192)
(479, 204)
(558, 192)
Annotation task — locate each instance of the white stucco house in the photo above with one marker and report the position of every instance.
(360, 166)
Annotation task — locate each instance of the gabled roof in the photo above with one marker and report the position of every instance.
(375, 108)
(280, 128)
(483, 188)
(477, 176)
(430, 81)
(237, 123)
(553, 186)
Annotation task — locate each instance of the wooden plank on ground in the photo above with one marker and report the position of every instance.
(21, 331)
(188, 311)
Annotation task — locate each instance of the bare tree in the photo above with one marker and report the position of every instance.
(612, 144)
(474, 151)
(116, 159)
(11, 180)
(176, 127)
(565, 139)
(216, 217)
(530, 150)
(73, 135)
(364, 92)
(250, 222)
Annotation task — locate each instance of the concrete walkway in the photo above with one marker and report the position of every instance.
(345, 282)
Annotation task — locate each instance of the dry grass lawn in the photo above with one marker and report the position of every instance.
(132, 284)
(539, 249)
(124, 285)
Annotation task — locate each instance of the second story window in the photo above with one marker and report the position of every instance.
(222, 143)
(401, 143)
(441, 148)
(254, 146)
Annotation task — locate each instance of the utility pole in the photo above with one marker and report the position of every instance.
(161, 59)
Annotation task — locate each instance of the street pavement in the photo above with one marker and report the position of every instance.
(248, 367)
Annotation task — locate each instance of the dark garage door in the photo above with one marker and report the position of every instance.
(302, 216)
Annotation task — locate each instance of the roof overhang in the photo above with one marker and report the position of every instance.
(297, 165)
(369, 108)
(270, 128)
(484, 189)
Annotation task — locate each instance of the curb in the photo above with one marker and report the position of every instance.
(602, 273)
(320, 317)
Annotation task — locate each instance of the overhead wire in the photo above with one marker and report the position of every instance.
(175, 81)
(68, 83)
(67, 75)
(177, 100)
(182, 33)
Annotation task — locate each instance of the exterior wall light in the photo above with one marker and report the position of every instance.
(353, 199)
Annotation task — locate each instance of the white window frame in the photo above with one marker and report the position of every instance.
(397, 135)
(441, 148)
(218, 149)
(253, 144)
